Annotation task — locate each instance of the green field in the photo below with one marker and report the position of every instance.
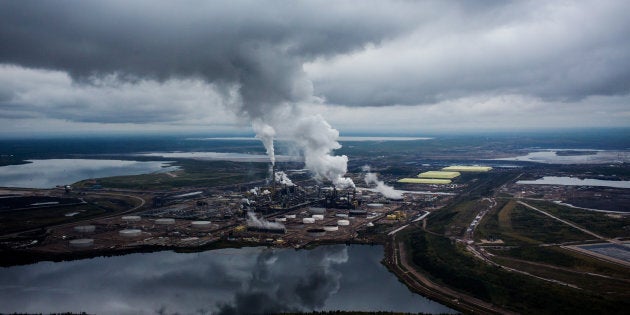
(448, 263)
(192, 173)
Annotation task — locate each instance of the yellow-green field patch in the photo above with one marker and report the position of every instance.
(424, 181)
(439, 174)
(464, 168)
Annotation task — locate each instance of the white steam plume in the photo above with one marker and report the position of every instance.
(318, 139)
(282, 178)
(381, 187)
(254, 221)
(265, 133)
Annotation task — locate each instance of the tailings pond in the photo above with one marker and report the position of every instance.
(226, 281)
(53, 172)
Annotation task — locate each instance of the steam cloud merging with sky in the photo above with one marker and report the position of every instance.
(288, 67)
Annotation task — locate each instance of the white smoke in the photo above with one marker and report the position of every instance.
(254, 221)
(282, 178)
(265, 133)
(317, 139)
(312, 135)
(381, 187)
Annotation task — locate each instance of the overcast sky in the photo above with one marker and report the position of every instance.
(376, 66)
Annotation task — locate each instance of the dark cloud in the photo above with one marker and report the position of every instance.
(557, 51)
(257, 55)
(257, 45)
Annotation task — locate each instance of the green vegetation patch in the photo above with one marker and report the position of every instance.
(448, 263)
(598, 222)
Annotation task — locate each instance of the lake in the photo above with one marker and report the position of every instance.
(53, 172)
(551, 157)
(222, 156)
(225, 281)
(574, 181)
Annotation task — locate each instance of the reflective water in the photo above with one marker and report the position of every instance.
(53, 172)
(574, 181)
(222, 156)
(550, 157)
(227, 281)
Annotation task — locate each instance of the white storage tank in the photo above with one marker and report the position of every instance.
(281, 219)
(341, 215)
(200, 224)
(331, 228)
(290, 216)
(375, 205)
(343, 222)
(82, 243)
(85, 228)
(131, 218)
(308, 220)
(318, 217)
(165, 221)
(130, 232)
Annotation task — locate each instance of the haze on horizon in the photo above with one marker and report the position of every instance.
(396, 66)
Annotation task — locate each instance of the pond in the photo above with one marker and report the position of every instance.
(53, 172)
(574, 181)
(225, 281)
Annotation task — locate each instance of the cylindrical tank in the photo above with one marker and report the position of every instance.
(375, 205)
(84, 228)
(343, 222)
(316, 232)
(317, 210)
(308, 220)
(165, 221)
(318, 217)
(200, 224)
(82, 242)
(290, 216)
(281, 219)
(131, 218)
(331, 228)
(341, 215)
(130, 232)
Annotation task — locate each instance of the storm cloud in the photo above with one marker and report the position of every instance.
(178, 62)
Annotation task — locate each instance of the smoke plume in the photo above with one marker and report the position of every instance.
(282, 178)
(381, 187)
(254, 221)
(265, 133)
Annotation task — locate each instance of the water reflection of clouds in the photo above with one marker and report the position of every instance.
(49, 173)
(229, 281)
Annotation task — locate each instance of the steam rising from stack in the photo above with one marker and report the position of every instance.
(283, 179)
(381, 187)
(261, 223)
(315, 138)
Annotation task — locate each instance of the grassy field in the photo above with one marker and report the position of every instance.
(601, 223)
(192, 173)
(448, 263)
